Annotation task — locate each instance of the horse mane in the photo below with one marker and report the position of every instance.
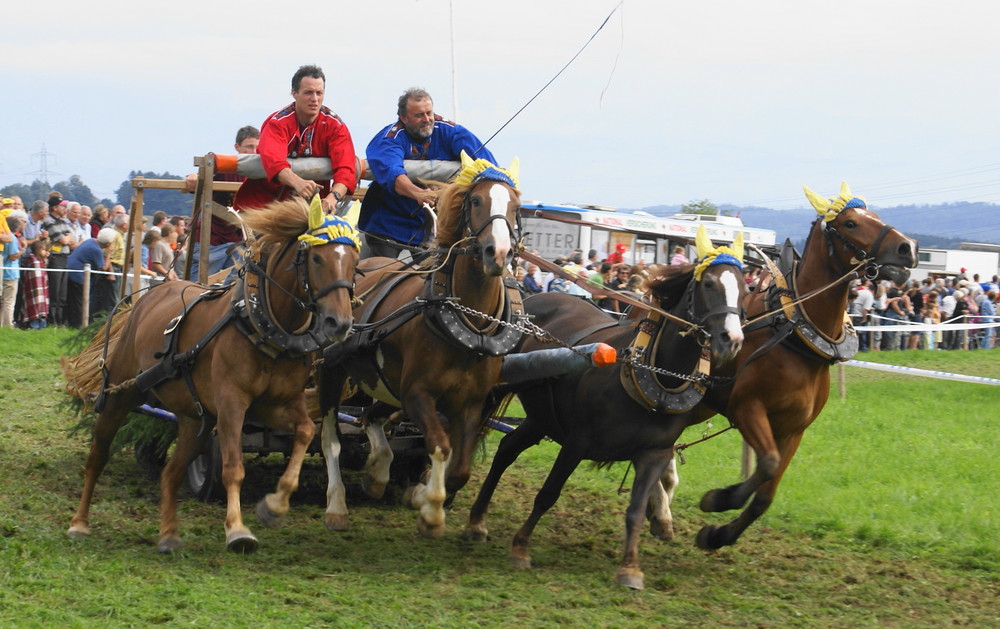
(449, 220)
(278, 223)
(668, 283)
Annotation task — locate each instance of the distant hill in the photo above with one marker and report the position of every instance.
(934, 226)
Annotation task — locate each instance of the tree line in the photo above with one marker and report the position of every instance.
(173, 202)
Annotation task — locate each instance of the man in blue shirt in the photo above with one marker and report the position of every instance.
(93, 252)
(392, 213)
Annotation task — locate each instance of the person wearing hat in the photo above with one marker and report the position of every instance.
(62, 241)
(5, 234)
(95, 253)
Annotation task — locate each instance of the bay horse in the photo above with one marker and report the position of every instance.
(430, 341)
(782, 373)
(634, 411)
(216, 355)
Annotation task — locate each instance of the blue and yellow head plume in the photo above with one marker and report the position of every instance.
(325, 229)
(709, 255)
(476, 170)
(828, 209)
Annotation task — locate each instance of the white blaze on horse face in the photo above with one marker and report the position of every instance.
(731, 283)
(499, 199)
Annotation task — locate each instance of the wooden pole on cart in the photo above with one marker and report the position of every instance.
(203, 206)
(133, 243)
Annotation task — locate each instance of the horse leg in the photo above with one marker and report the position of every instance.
(109, 421)
(429, 497)
(661, 520)
(565, 463)
(712, 537)
(649, 466)
(229, 429)
(335, 518)
(509, 448)
(752, 420)
(380, 458)
(189, 441)
(274, 506)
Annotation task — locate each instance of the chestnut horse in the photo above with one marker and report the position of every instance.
(628, 412)
(782, 374)
(213, 356)
(428, 340)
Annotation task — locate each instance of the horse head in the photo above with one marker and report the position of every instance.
(856, 236)
(483, 205)
(330, 248)
(708, 294)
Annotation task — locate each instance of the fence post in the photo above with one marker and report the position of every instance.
(85, 309)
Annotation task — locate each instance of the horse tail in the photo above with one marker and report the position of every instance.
(84, 373)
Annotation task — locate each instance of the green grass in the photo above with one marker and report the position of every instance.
(886, 518)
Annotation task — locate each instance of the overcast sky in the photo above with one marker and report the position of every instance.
(735, 101)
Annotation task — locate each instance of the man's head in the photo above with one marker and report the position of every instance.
(39, 210)
(159, 218)
(308, 90)
(85, 214)
(59, 209)
(105, 237)
(73, 212)
(416, 112)
(8, 203)
(18, 203)
(55, 198)
(247, 139)
(118, 210)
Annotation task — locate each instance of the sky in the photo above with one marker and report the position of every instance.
(733, 101)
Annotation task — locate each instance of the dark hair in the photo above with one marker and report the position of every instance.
(248, 131)
(414, 93)
(311, 71)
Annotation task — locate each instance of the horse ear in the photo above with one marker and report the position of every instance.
(514, 170)
(845, 192)
(703, 245)
(467, 162)
(738, 246)
(821, 204)
(315, 213)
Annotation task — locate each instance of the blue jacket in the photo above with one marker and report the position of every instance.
(87, 252)
(385, 213)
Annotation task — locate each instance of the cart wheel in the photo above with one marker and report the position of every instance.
(149, 458)
(204, 473)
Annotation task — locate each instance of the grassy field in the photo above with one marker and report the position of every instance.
(886, 518)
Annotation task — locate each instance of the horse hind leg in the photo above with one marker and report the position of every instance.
(661, 520)
(191, 435)
(274, 506)
(380, 458)
(335, 518)
(108, 422)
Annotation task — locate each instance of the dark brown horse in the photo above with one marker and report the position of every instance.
(632, 412)
(427, 340)
(213, 356)
(782, 374)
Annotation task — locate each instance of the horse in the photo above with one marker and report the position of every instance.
(781, 377)
(430, 341)
(216, 355)
(634, 411)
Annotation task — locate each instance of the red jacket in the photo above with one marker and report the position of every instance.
(281, 138)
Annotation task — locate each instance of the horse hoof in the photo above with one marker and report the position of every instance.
(476, 534)
(661, 530)
(709, 500)
(430, 531)
(267, 517)
(631, 578)
(243, 543)
(78, 531)
(336, 522)
(705, 538)
(372, 488)
(520, 562)
(168, 545)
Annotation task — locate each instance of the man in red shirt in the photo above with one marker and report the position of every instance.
(305, 128)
